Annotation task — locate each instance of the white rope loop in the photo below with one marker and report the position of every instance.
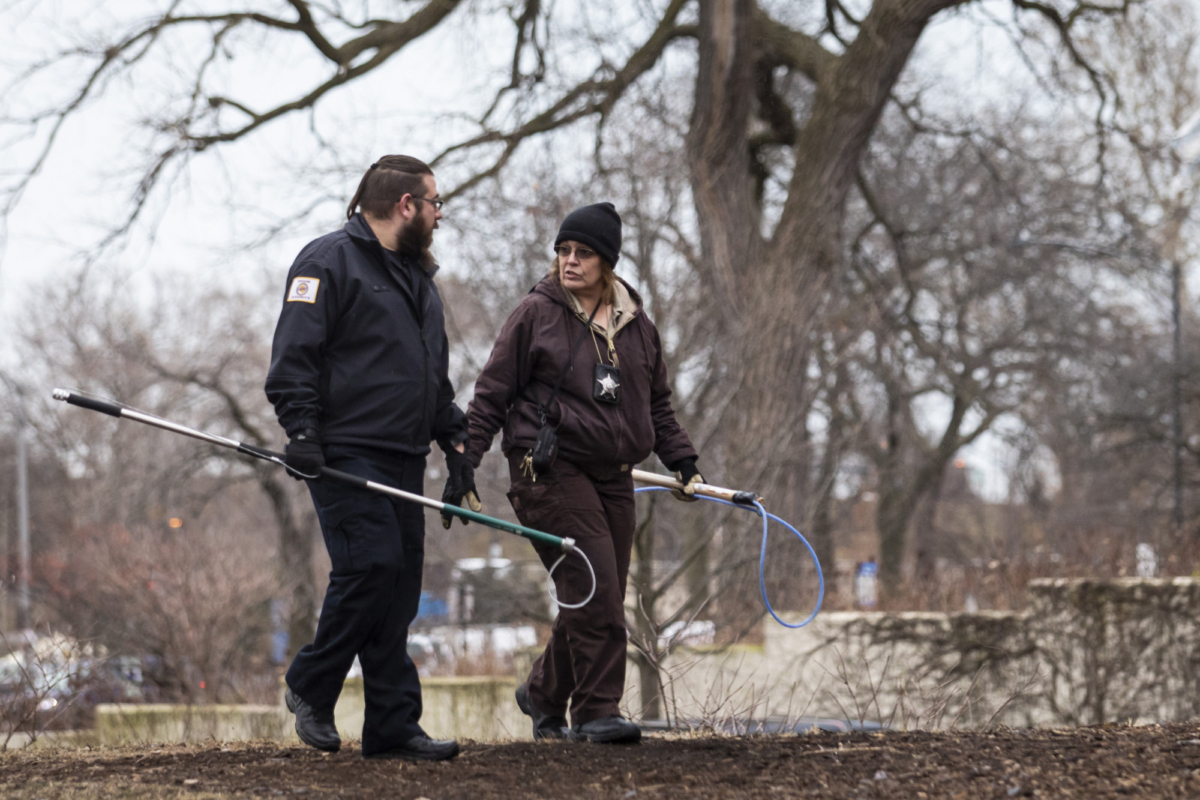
(554, 593)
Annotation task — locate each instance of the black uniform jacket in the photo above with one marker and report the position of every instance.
(360, 354)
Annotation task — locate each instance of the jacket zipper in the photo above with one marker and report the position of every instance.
(428, 423)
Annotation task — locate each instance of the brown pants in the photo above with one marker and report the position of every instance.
(584, 661)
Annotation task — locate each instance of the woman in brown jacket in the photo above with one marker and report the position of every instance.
(585, 327)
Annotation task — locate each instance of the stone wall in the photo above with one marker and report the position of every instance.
(482, 708)
(479, 708)
(1083, 652)
(160, 722)
(1117, 650)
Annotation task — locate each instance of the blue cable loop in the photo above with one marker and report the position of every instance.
(762, 558)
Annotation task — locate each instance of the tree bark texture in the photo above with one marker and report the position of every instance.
(769, 288)
(643, 628)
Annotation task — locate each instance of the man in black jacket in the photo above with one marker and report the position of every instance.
(359, 380)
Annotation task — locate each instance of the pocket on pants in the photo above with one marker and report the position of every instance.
(535, 502)
(332, 516)
(361, 532)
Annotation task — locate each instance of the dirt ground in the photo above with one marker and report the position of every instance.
(1151, 761)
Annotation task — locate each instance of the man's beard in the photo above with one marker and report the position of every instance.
(415, 239)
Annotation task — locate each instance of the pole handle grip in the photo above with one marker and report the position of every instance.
(344, 477)
(90, 403)
(326, 472)
(511, 527)
(259, 452)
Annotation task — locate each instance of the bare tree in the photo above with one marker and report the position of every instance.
(964, 306)
(197, 359)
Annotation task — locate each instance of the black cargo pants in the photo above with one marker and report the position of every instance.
(377, 548)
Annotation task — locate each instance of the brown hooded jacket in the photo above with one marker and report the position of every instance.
(530, 354)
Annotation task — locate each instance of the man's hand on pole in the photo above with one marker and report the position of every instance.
(685, 470)
(460, 485)
(303, 455)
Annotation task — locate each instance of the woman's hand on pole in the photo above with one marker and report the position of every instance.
(460, 485)
(687, 474)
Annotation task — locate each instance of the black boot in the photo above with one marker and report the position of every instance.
(315, 728)
(545, 726)
(607, 730)
(421, 748)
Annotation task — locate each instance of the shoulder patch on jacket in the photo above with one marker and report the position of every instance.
(303, 290)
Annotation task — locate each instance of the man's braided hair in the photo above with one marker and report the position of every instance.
(387, 180)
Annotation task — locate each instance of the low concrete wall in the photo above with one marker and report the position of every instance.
(51, 739)
(481, 708)
(160, 722)
(1118, 650)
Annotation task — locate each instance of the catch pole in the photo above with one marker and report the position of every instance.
(122, 412)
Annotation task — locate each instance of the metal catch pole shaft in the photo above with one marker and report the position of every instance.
(114, 410)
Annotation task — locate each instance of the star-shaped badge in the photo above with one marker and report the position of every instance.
(608, 386)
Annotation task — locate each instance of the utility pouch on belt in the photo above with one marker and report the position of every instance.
(545, 449)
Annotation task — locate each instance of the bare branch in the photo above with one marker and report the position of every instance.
(595, 96)
(780, 45)
(385, 38)
(308, 25)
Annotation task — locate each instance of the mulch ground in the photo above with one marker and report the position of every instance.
(1105, 761)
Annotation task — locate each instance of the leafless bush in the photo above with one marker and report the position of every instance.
(729, 696)
(50, 682)
(193, 602)
(926, 700)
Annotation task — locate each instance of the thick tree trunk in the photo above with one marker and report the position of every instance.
(643, 575)
(762, 330)
(822, 516)
(768, 293)
(722, 186)
(897, 505)
(895, 499)
(926, 539)
(892, 517)
(904, 484)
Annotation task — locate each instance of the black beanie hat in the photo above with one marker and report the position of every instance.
(598, 226)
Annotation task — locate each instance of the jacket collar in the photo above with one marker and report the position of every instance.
(626, 306)
(358, 230)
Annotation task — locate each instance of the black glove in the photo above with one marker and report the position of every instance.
(687, 474)
(303, 454)
(459, 486)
